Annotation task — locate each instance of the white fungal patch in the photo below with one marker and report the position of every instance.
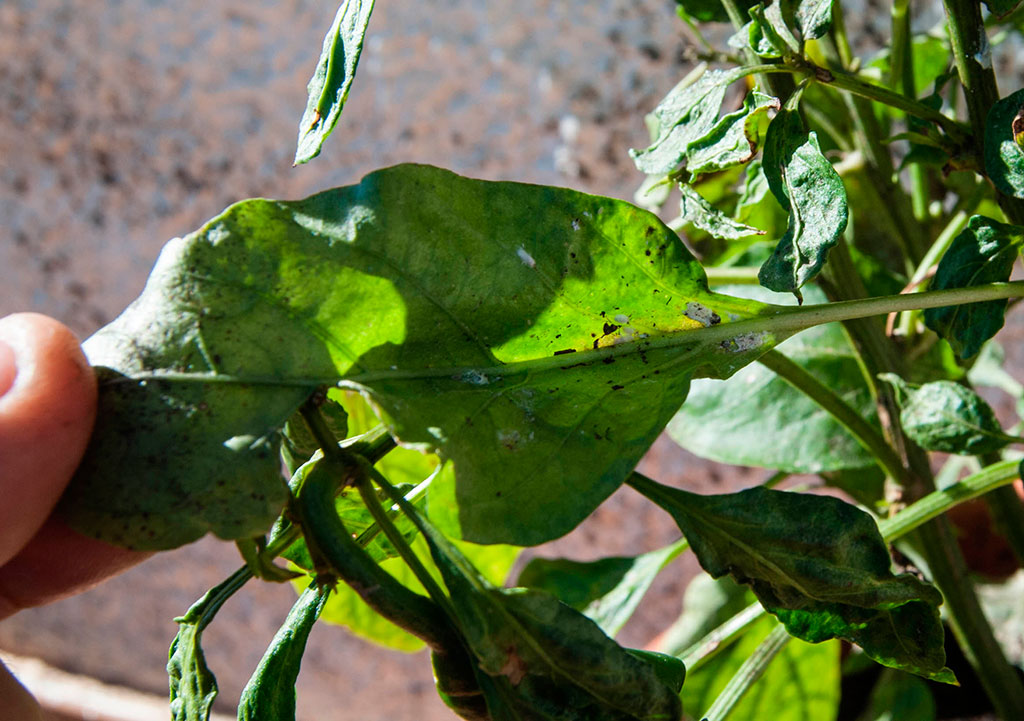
(745, 342)
(509, 439)
(622, 319)
(475, 378)
(527, 259)
(984, 54)
(627, 335)
(702, 314)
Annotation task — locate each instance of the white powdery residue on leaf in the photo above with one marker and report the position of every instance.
(474, 377)
(702, 314)
(527, 259)
(745, 342)
(622, 318)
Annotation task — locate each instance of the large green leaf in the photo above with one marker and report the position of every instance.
(757, 419)
(948, 417)
(984, 252)
(540, 659)
(800, 684)
(538, 338)
(817, 563)
(806, 184)
(335, 71)
(270, 693)
(608, 590)
(688, 114)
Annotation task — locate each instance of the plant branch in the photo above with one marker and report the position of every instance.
(848, 417)
(748, 674)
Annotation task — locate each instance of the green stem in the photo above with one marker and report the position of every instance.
(852, 84)
(699, 653)
(397, 539)
(848, 417)
(743, 275)
(331, 543)
(938, 502)
(747, 675)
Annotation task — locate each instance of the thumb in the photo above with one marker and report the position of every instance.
(47, 408)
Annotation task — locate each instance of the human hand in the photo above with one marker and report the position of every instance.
(47, 408)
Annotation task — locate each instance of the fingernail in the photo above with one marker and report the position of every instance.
(8, 367)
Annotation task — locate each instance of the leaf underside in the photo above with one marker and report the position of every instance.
(537, 338)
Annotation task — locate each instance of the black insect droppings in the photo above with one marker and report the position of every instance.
(617, 388)
(607, 361)
(565, 350)
(610, 328)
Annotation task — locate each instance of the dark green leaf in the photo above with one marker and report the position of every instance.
(270, 693)
(710, 10)
(948, 417)
(813, 17)
(817, 563)
(329, 86)
(193, 686)
(538, 338)
(734, 139)
(983, 253)
(774, 27)
(670, 669)
(757, 419)
(801, 684)
(607, 590)
(539, 658)
(804, 182)
(687, 114)
(693, 209)
(1001, 8)
(1004, 144)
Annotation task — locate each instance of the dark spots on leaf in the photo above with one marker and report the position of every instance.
(497, 494)
(647, 252)
(608, 361)
(649, 232)
(564, 351)
(610, 328)
(617, 388)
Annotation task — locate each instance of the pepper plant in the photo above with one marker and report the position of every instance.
(450, 369)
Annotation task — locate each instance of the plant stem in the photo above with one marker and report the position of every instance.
(331, 543)
(697, 654)
(938, 502)
(738, 275)
(848, 417)
(397, 539)
(748, 674)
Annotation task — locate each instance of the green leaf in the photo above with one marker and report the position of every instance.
(710, 10)
(1004, 144)
(900, 696)
(813, 18)
(774, 27)
(298, 444)
(689, 113)
(757, 419)
(948, 417)
(270, 693)
(1001, 8)
(539, 658)
(984, 252)
(802, 683)
(805, 183)
(817, 563)
(193, 686)
(539, 339)
(755, 36)
(335, 71)
(693, 209)
(608, 590)
(734, 139)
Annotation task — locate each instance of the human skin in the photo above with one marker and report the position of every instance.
(47, 409)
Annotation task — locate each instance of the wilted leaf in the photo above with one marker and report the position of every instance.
(734, 139)
(687, 114)
(693, 209)
(805, 183)
(948, 417)
(192, 684)
(270, 693)
(335, 71)
(817, 563)
(984, 252)
(538, 338)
